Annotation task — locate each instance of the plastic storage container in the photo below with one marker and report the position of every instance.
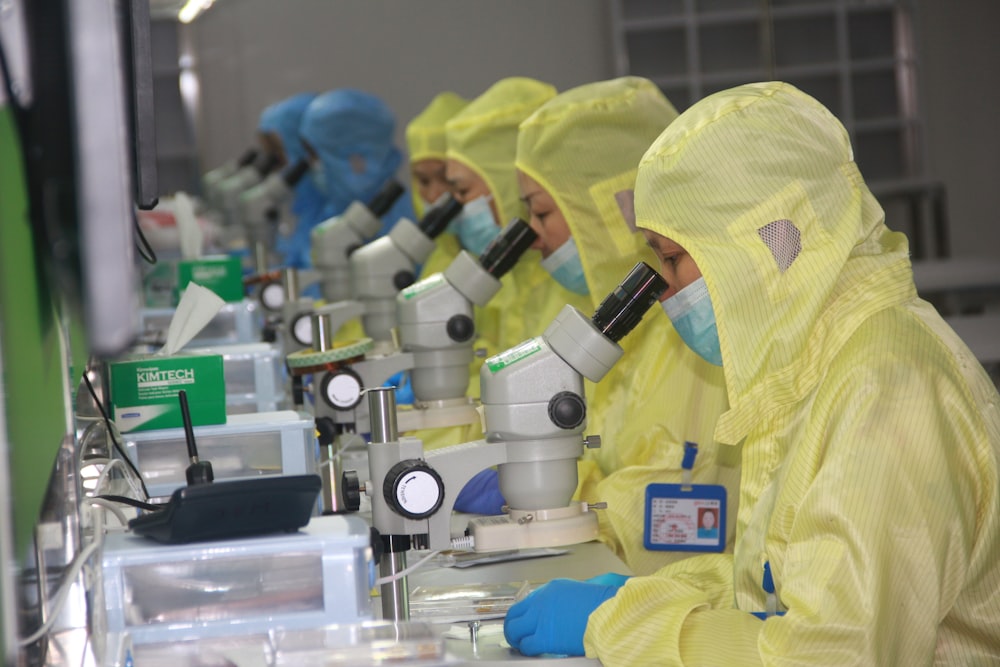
(240, 322)
(318, 576)
(246, 446)
(254, 376)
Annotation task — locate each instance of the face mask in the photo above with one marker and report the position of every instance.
(691, 312)
(565, 267)
(318, 175)
(476, 227)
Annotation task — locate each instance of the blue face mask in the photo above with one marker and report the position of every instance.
(691, 312)
(565, 267)
(476, 227)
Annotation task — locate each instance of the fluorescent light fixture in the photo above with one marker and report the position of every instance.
(191, 10)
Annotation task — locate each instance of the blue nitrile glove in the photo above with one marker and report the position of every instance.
(553, 618)
(609, 579)
(481, 495)
(404, 390)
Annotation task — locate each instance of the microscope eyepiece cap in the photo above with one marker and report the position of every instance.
(294, 173)
(386, 197)
(248, 157)
(269, 164)
(436, 220)
(503, 252)
(623, 309)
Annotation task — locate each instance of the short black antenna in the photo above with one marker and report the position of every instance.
(199, 472)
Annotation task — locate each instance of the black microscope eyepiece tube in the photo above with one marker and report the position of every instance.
(294, 173)
(270, 163)
(437, 219)
(504, 251)
(248, 158)
(386, 197)
(623, 309)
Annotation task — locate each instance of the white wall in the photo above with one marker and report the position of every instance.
(960, 94)
(250, 53)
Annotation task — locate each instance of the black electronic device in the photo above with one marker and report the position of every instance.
(208, 510)
(238, 508)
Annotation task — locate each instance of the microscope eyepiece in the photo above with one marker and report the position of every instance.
(623, 309)
(270, 163)
(248, 158)
(504, 251)
(294, 173)
(437, 219)
(386, 197)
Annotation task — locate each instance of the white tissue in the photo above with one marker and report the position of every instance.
(197, 307)
(191, 235)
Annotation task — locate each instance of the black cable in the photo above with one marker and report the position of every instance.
(145, 247)
(111, 434)
(125, 500)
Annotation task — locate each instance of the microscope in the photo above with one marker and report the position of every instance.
(535, 415)
(228, 191)
(211, 180)
(437, 335)
(261, 210)
(334, 240)
(436, 332)
(380, 269)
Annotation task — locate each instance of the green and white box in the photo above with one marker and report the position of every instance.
(220, 273)
(144, 391)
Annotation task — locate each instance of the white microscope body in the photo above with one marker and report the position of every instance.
(436, 335)
(211, 180)
(535, 416)
(227, 193)
(264, 206)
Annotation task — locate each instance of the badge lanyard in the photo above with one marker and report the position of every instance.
(686, 516)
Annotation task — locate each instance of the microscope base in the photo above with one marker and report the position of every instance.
(532, 529)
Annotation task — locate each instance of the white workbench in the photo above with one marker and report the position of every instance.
(582, 561)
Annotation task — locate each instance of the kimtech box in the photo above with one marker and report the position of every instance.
(144, 391)
(220, 273)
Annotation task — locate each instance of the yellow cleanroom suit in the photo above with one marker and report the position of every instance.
(425, 140)
(583, 147)
(870, 434)
(483, 137)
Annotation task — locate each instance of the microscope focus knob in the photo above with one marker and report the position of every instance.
(567, 410)
(301, 329)
(403, 279)
(272, 296)
(413, 489)
(350, 487)
(341, 389)
(460, 328)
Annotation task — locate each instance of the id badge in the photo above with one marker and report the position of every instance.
(685, 517)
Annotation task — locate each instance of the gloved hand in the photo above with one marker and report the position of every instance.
(481, 495)
(553, 618)
(609, 579)
(404, 390)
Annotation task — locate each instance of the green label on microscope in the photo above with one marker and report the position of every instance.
(513, 355)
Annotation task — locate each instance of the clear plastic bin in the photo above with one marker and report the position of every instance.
(239, 322)
(316, 577)
(254, 375)
(246, 446)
